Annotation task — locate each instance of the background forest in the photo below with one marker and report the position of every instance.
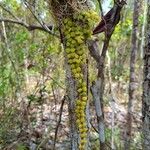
(35, 112)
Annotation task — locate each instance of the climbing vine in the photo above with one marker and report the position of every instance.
(77, 30)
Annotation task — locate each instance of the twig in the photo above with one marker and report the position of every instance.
(27, 26)
(30, 9)
(100, 7)
(94, 128)
(43, 27)
(62, 87)
(56, 131)
(7, 10)
(59, 121)
(41, 22)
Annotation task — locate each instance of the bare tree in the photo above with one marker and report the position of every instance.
(132, 75)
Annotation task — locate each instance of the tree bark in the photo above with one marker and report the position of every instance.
(132, 75)
(143, 29)
(97, 90)
(72, 95)
(146, 87)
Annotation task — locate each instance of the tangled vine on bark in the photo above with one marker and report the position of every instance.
(76, 32)
(76, 22)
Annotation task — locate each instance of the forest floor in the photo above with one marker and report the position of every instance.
(39, 124)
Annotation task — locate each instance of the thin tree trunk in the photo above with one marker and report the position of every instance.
(143, 29)
(112, 101)
(146, 87)
(132, 75)
(97, 90)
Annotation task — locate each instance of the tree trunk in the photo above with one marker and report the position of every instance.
(146, 87)
(143, 29)
(71, 107)
(75, 25)
(97, 90)
(132, 75)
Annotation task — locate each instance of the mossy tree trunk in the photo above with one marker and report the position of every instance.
(75, 21)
